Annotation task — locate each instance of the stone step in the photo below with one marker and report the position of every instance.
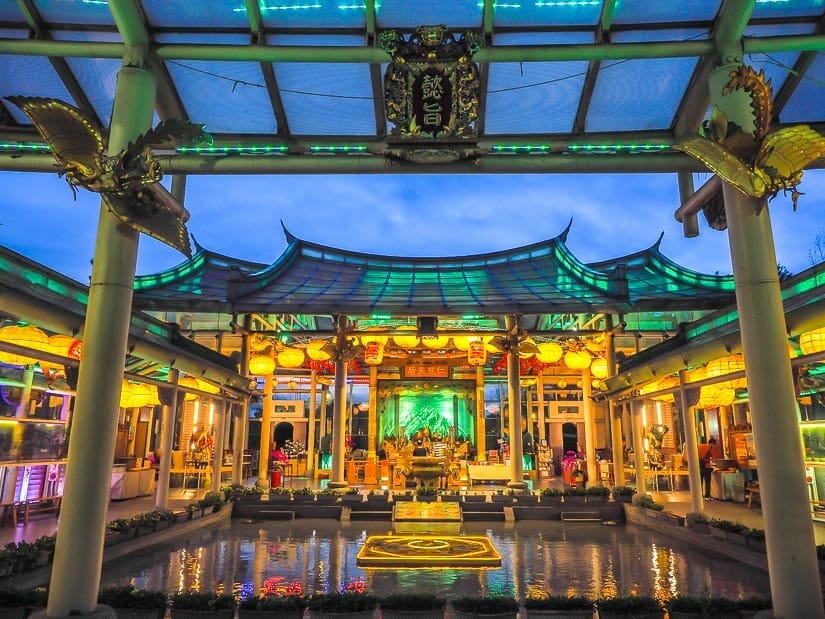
(581, 516)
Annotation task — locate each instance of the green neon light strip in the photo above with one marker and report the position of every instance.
(103, 2)
(500, 5)
(232, 149)
(558, 3)
(518, 148)
(24, 146)
(281, 7)
(590, 148)
(338, 149)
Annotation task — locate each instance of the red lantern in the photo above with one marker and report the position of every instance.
(373, 353)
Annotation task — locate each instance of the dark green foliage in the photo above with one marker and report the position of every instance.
(131, 598)
(412, 602)
(343, 602)
(274, 603)
(201, 600)
(492, 605)
(631, 604)
(559, 602)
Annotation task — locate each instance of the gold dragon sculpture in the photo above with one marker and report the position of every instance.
(759, 163)
(128, 181)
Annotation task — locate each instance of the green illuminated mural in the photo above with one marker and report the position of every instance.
(437, 411)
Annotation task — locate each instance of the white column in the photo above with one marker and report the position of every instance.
(336, 477)
(589, 430)
(78, 554)
(266, 433)
(220, 444)
(167, 434)
(313, 396)
(796, 588)
(514, 403)
(638, 446)
(697, 503)
(617, 444)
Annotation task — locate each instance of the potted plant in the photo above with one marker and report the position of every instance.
(347, 605)
(20, 603)
(630, 607)
(685, 606)
(575, 494)
(378, 496)
(327, 497)
(352, 495)
(45, 545)
(558, 607)
(303, 495)
(132, 603)
(699, 523)
(412, 606)
(402, 496)
(280, 495)
(475, 497)
(501, 497)
(755, 539)
(238, 493)
(213, 499)
(597, 494)
(623, 494)
(201, 605)
(646, 502)
(524, 497)
(272, 606)
(489, 607)
(551, 495)
(451, 496)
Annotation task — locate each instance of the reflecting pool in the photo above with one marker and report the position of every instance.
(305, 556)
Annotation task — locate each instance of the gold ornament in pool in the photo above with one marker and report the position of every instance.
(428, 551)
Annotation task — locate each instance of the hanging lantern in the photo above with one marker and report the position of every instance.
(577, 359)
(207, 387)
(439, 341)
(697, 374)
(65, 346)
(561, 383)
(373, 353)
(261, 365)
(599, 367)
(291, 357)
(792, 352)
(727, 365)
(462, 342)
(142, 395)
(125, 394)
(477, 353)
(811, 342)
(191, 383)
(28, 336)
(549, 352)
(406, 341)
(315, 350)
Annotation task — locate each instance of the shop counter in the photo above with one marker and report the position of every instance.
(727, 486)
(130, 483)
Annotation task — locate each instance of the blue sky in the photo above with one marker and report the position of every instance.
(423, 215)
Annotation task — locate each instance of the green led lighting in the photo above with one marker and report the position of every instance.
(24, 146)
(281, 7)
(500, 5)
(226, 150)
(380, 316)
(558, 3)
(337, 149)
(603, 148)
(521, 148)
(357, 7)
(103, 2)
(772, 1)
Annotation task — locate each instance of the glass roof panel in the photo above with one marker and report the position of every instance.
(316, 39)
(543, 38)
(533, 97)
(777, 65)
(312, 13)
(188, 14)
(226, 96)
(29, 76)
(635, 12)
(805, 104)
(75, 12)
(8, 33)
(795, 8)
(327, 98)
(97, 76)
(404, 14)
(641, 94)
(10, 12)
(547, 13)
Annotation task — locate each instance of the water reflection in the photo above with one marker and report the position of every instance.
(306, 556)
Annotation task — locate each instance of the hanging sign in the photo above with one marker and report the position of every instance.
(426, 371)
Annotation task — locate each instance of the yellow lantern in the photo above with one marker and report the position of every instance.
(261, 365)
(406, 341)
(142, 395)
(65, 346)
(727, 365)
(462, 342)
(549, 352)
(207, 387)
(28, 336)
(125, 394)
(477, 353)
(599, 367)
(813, 341)
(291, 357)
(561, 383)
(315, 350)
(373, 352)
(713, 396)
(527, 348)
(577, 359)
(439, 341)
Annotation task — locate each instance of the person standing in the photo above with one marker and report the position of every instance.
(708, 452)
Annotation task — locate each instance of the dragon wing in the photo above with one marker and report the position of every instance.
(785, 153)
(74, 139)
(154, 211)
(724, 163)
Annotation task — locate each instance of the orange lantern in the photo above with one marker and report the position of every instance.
(65, 346)
(373, 353)
(477, 353)
(291, 357)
